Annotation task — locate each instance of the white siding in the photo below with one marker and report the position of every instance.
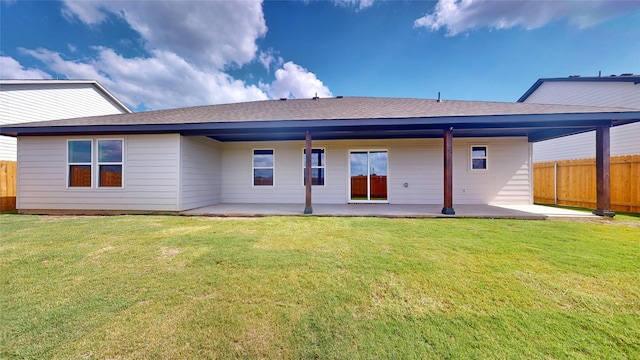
(237, 177)
(41, 102)
(237, 186)
(150, 176)
(172, 173)
(596, 93)
(507, 180)
(624, 139)
(7, 148)
(201, 180)
(417, 162)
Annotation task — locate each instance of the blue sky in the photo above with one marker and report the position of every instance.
(157, 54)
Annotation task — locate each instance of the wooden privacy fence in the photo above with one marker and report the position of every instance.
(8, 171)
(378, 184)
(573, 183)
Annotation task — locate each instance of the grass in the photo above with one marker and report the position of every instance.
(318, 287)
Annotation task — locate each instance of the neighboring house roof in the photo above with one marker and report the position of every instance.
(613, 78)
(345, 117)
(93, 83)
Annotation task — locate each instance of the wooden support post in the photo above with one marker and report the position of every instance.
(307, 174)
(448, 173)
(603, 173)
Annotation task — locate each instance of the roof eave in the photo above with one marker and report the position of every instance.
(112, 97)
(580, 120)
(533, 88)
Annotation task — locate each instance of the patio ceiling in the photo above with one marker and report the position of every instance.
(394, 129)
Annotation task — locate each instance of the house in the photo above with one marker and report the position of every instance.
(298, 151)
(38, 100)
(563, 166)
(618, 91)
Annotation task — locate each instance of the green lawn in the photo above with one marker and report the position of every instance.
(316, 287)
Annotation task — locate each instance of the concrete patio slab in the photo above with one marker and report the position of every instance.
(530, 212)
(550, 211)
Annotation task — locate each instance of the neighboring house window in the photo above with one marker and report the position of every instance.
(80, 155)
(317, 166)
(479, 157)
(263, 166)
(109, 163)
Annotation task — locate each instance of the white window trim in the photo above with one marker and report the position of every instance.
(315, 167)
(69, 164)
(253, 167)
(367, 150)
(98, 163)
(471, 157)
(95, 165)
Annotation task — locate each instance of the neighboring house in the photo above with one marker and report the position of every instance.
(38, 100)
(354, 150)
(618, 91)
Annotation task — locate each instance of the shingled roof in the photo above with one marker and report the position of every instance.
(326, 109)
(331, 115)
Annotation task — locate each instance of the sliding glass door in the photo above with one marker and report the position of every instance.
(368, 172)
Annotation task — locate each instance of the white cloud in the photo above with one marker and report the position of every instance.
(163, 81)
(360, 4)
(461, 15)
(89, 12)
(190, 46)
(11, 69)
(268, 58)
(295, 81)
(208, 33)
(70, 69)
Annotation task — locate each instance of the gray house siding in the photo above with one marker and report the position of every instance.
(175, 173)
(624, 141)
(416, 162)
(28, 101)
(201, 172)
(624, 138)
(150, 176)
(407, 138)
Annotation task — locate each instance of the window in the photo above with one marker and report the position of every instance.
(317, 166)
(109, 163)
(479, 157)
(82, 162)
(263, 167)
(79, 156)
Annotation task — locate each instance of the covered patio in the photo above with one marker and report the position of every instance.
(524, 212)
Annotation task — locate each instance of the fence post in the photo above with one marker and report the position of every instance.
(555, 183)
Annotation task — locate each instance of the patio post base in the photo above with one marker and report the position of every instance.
(607, 213)
(308, 210)
(448, 211)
